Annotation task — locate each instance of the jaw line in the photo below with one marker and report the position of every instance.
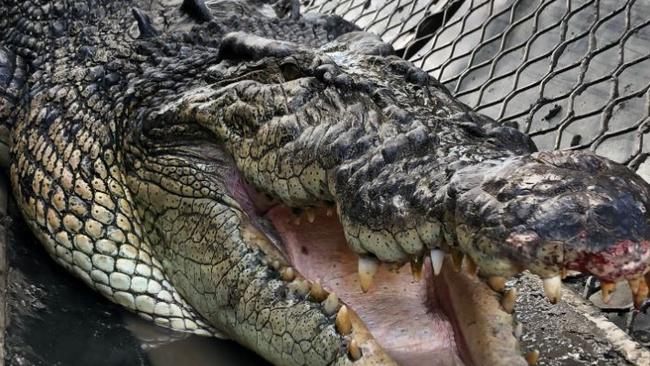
(482, 330)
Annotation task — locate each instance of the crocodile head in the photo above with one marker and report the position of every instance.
(302, 200)
(346, 165)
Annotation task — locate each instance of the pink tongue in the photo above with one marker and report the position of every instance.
(409, 325)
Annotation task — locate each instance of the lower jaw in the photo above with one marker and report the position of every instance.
(425, 322)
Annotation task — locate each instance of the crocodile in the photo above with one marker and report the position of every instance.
(235, 168)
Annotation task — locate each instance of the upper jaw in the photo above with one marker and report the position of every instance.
(395, 304)
(556, 211)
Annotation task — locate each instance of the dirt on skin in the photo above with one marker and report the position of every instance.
(562, 335)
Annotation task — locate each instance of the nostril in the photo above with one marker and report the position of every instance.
(290, 70)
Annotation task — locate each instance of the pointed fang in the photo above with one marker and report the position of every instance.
(606, 289)
(311, 215)
(331, 304)
(553, 288)
(532, 357)
(518, 330)
(343, 322)
(634, 284)
(353, 350)
(367, 268)
(641, 294)
(416, 267)
(470, 266)
(456, 259)
(437, 257)
(288, 274)
(497, 283)
(508, 300)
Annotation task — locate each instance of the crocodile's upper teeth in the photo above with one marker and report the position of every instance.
(311, 215)
(456, 259)
(470, 266)
(553, 288)
(318, 292)
(606, 289)
(296, 221)
(639, 290)
(416, 267)
(634, 284)
(437, 257)
(367, 268)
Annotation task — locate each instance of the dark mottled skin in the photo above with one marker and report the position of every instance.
(129, 120)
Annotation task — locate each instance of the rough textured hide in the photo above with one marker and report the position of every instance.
(144, 132)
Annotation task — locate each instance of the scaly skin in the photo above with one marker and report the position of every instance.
(128, 147)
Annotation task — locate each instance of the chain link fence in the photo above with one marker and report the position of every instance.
(572, 73)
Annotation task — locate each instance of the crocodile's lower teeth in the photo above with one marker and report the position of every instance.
(508, 300)
(553, 288)
(497, 283)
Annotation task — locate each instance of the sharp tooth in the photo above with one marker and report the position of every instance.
(470, 266)
(518, 331)
(331, 304)
(301, 287)
(456, 259)
(367, 268)
(553, 288)
(288, 274)
(508, 300)
(437, 257)
(296, 221)
(634, 284)
(532, 357)
(329, 212)
(416, 267)
(606, 289)
(276, 265)
(311, 215)
(640, 293)
(353, 350)
(497, 283)
(317, 292)
(343, 322)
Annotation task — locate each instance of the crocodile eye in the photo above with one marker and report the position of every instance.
(290, 70)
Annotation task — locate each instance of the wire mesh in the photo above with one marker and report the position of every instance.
(572, 73)
(396, 21)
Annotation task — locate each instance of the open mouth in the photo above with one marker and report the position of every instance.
(411, 314)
